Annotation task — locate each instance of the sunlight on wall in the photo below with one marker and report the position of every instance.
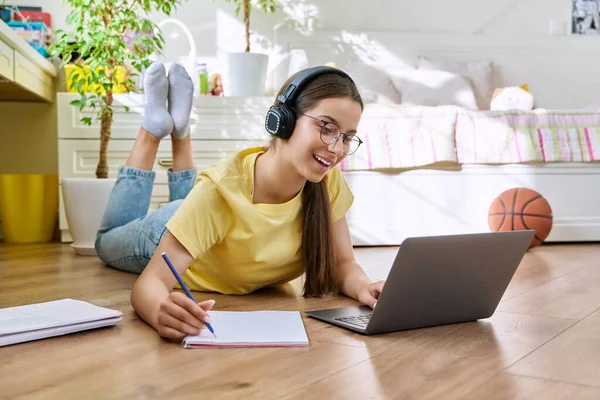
(369, 51)
(299, 15)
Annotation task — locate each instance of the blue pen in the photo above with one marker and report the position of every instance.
(164, 255)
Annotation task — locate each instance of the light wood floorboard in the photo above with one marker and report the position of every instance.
(542, 342)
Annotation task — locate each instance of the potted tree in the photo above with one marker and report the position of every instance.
(108, 44)
(248, 70)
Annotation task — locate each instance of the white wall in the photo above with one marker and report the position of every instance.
(528, 17)
(216, 29)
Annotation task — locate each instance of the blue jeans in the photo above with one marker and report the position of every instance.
(128, 236)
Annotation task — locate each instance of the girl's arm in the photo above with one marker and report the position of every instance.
(172, 314)
(354, 282)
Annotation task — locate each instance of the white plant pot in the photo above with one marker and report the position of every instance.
(85, 200)
(247, 74)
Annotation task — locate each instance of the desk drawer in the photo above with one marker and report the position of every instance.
(33, 78)
(7, 62)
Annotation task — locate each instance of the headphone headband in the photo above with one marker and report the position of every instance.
(295, 88)
(281, 118)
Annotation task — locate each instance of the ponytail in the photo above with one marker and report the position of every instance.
(318, 245)
(317, 241)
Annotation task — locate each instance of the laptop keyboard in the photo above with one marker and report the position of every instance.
(357, 320)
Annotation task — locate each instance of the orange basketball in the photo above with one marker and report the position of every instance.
(520, 209)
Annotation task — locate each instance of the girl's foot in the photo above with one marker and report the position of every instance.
(181, 92)
(157, 120)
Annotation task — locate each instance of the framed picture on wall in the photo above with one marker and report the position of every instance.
(585, 17)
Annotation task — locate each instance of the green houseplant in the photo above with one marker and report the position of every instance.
(248, 70)
(113, 40)
(109, 42)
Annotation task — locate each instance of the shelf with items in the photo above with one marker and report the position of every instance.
(25, 75)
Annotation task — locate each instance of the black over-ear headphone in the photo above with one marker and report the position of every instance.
(281, 118)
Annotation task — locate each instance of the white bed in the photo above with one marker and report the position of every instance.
(390, 206)
(393, 203)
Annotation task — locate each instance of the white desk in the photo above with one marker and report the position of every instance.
(25, 75)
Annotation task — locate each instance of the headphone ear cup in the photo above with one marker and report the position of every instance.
(289, 122)
(274, 121)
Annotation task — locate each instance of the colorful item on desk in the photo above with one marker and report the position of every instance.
(22, 8)
(34, 16)
(8, 12)
(34, 33)
(5, 15)
(216, 88)
(189, 294)
(203, 78)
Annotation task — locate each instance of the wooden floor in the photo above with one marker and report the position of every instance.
(543, 342)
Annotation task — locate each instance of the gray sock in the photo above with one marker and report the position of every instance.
(181, 93)
(157, 119)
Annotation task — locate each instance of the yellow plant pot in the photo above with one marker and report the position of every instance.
(28, 207)
(120, 73)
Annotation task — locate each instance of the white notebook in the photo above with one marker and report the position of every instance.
(251, 329)
(53, 318)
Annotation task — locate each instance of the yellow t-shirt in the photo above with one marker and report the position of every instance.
(239, 246)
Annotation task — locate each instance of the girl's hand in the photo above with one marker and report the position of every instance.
(179, 316)
(369, 293)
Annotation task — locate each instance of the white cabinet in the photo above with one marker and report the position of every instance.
(220, 126)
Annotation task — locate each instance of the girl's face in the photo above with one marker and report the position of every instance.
(310, 156)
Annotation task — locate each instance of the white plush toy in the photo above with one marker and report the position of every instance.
(512, 98)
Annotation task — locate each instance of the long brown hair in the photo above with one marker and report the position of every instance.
(317, 227)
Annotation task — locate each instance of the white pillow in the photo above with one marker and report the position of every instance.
(375, 86)
(478, 73)
(434, 88)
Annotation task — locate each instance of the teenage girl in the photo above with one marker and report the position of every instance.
(262, 217)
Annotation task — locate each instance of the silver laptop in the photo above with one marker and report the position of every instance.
(439, 280)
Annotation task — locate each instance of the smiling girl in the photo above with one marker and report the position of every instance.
(262, 217)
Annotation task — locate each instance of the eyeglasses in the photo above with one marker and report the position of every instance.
(331, 134)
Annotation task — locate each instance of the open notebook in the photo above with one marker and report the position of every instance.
(251, 329)
(53, 318)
